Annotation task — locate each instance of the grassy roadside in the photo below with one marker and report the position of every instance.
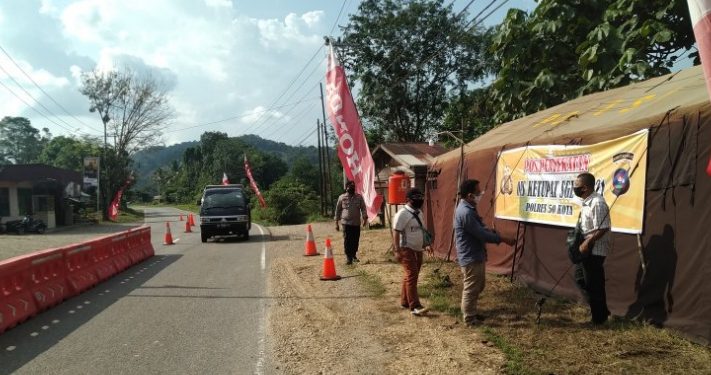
(562, 343)
(130, 215)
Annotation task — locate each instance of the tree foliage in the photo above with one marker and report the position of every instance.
(567, 48)
(289, 202)
(20, 143)
(69, 152)
(134, 109)
(409, 58)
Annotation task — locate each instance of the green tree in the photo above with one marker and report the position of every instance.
(636, 40)
(134, 109)
(20, 143)
(408, 56)
(69, 152)
(566, 48)
(304, 172)
(289, 202)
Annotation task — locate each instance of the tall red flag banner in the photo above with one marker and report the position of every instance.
(225, 180)
(252, 183)
(353, 148)
(700, 11)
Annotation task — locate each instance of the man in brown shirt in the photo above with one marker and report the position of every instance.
(351, 212)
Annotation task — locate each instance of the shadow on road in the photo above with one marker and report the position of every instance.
(23, 343)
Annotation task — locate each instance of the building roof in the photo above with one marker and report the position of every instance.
(411, 154)
(38, 172)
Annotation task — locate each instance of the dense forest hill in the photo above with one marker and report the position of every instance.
(147, 161)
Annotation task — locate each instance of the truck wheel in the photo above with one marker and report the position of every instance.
(20, 230)
(203, 237)
(246, 235)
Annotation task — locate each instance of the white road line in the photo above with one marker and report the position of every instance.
(259, 370)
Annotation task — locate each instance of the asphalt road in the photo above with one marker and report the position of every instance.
(194, 308)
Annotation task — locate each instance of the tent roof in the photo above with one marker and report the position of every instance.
(600, 116)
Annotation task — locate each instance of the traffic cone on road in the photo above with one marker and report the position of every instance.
(191, 218)
(310, 246)
(181, 217)
(168, 240)
(329, 266)
(187, 227)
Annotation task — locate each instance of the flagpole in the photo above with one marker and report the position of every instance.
(322, 196)
(329, 185)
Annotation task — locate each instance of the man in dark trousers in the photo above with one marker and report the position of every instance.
(595, 225)
(351, 212)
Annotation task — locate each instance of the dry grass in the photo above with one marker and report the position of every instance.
(561, 343)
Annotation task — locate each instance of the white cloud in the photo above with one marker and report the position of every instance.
(40, 76)
(275, 33)
(312, 18)
(259, 114)
(48, 8)
(219, 3)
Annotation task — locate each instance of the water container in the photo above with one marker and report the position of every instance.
(398, 185)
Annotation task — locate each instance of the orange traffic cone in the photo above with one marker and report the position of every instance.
(168, 237)
(191, 218)
(310, 247)
(187, 227)
(329, 266)
(181, 217)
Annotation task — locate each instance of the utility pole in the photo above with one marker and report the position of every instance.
(321, 180)
(329, 185)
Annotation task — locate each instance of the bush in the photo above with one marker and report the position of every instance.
(289, 202)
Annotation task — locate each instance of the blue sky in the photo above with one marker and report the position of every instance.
(227, 61)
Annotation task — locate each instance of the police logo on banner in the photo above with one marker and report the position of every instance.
(621, 176)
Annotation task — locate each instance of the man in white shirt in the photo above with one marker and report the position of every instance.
(409, 247)
(595, 225)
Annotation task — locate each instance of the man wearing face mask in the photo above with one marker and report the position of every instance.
(471, 236)
(351, 211)
(595, 225)
(408, 242)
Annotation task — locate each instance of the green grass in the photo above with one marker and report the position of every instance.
(129, 215)
(440, 295)
(514, 356)
(372, 283)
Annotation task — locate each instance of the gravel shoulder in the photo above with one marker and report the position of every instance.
(355, 325)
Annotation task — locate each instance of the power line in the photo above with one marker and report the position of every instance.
(32, 107)
(44, 92)
(335, 23)
(239, 116)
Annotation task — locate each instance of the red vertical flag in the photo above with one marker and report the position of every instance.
(353, 148)
(115, 206)
(225, 180)
(700, 11)
(252, 183)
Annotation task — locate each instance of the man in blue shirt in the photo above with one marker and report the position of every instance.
(471, 238)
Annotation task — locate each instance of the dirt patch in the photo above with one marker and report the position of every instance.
(356, 325)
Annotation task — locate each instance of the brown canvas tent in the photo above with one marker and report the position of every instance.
(660, 276)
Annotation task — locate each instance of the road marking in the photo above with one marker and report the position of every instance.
(87, 302)
(34, 334)
(72, 311)
(261, 330)
(11, 348)
(45, 327)
(55, 321)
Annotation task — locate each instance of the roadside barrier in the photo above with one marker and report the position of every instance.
(310, 246)
(16, 302)
(329, 266)
(36, 282)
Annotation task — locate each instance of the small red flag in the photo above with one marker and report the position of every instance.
(225, 181)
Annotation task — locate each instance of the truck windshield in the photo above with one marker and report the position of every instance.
(224, 198)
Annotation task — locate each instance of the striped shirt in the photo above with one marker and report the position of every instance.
(350, 209)
(595, 214)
